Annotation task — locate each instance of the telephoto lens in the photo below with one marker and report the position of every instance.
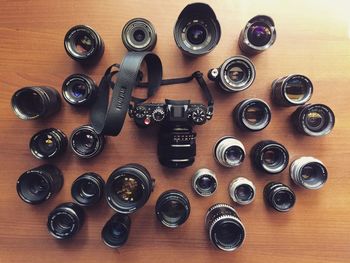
(258, 35)
(79, 90)
(308, 172)
(229, 152)
(270, 156)
(204, 182)
(314, 119)
(224, 227)
(115, 232)
(83, 44)
(39, 184)
(48, 143)
(197, 31)
(65, 220)
(87, 189)
(85, 142)
(242, 191)
(237, 73)
(252, 115)
(139, 35)
(30, 103)
(279, 196)
(172, 208)
(128, 188)
(292, 90)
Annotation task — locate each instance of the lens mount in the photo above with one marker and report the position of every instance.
(79, 89)
(115, 232)
(229, 151)
(242, 191)
(204, 182)
(279, 196)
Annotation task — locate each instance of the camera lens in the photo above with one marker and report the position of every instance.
(65, 220)
(258, 35)
(115, 232)
(235, 74)
(204, 182)
(139, 35)
(270, 156)
(314, 119)
(87, 189)
(242, 191)
(39, 184)
(197, 31)
(172, 208)
(83, 44)
(85, 142)
(308, 172)
(229, 151)
(279, 196)
(292, 90)
(225, 229)
(128, 188)
(32, 103)
(48, 143)
(252, 115)
(79, 89)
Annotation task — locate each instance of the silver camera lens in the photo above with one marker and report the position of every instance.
(308, 172)
(229, 151)
(242, 191)
(204, 182)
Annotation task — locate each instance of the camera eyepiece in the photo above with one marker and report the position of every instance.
(258, 35)
(79, 90)
(279, 196)
(204, 182)
(30, 103)
(229, 151)
(115, 232)
(242, 191)
(39, 184)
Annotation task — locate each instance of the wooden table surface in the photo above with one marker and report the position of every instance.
(312, 39)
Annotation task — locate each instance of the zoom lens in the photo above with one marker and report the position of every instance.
(308, 172)
(139, 35)
(39, 184)
(204, 182)
(65, 220)
(128, 188)
(225, 229)
(83, 44)
(229, 151)
(85, 142)
(242, 191)
(235, 74)
(252, 115)
(270, 156)
(258, 35)
(279, 196)
(197, 31)
(314, 119)
(115, 232)
(172, 208)
(79, 89)
(32, 103)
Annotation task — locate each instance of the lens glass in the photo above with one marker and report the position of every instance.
(62, 223)
(206, 182)
(88, 189)
(78, 90)
(273, 158)
(34, 187)
(296, 89)
(228, 234)
(45, 144)
(316, 120)
(283, 199)
(234, 155)
(254, 115)
(29, 103)
(196, 34)
(128, 188)
(259, 34)
(85, 142)
(244, 192)
(172, 211)
(139, 35)
(83, 43)
(237, 73)
(313, 174)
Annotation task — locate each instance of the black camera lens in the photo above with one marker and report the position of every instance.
(83, 44)
(314, 119)
(172, 208)
(128, 188)
(279, 196)
(204, 182)
(65, 220)
(225, 229)
(86, 143)
(258, 35)
(270, 156)
(32, 103)
(242, 191)
(48, 143)
(115, 232)
(79, 89)
(197, 31)
(235, 74)
(87, 189)
(139, 35)
(252, 115)
(229, 151)
(39, 184)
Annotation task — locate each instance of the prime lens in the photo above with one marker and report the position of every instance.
(115, 232)
(242, 191)
(79, 90)
(229, 151)
(204, 182)
(279, 196)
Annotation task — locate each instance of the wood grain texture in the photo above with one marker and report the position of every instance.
(312, 39)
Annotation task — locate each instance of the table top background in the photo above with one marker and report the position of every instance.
(312, 39)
